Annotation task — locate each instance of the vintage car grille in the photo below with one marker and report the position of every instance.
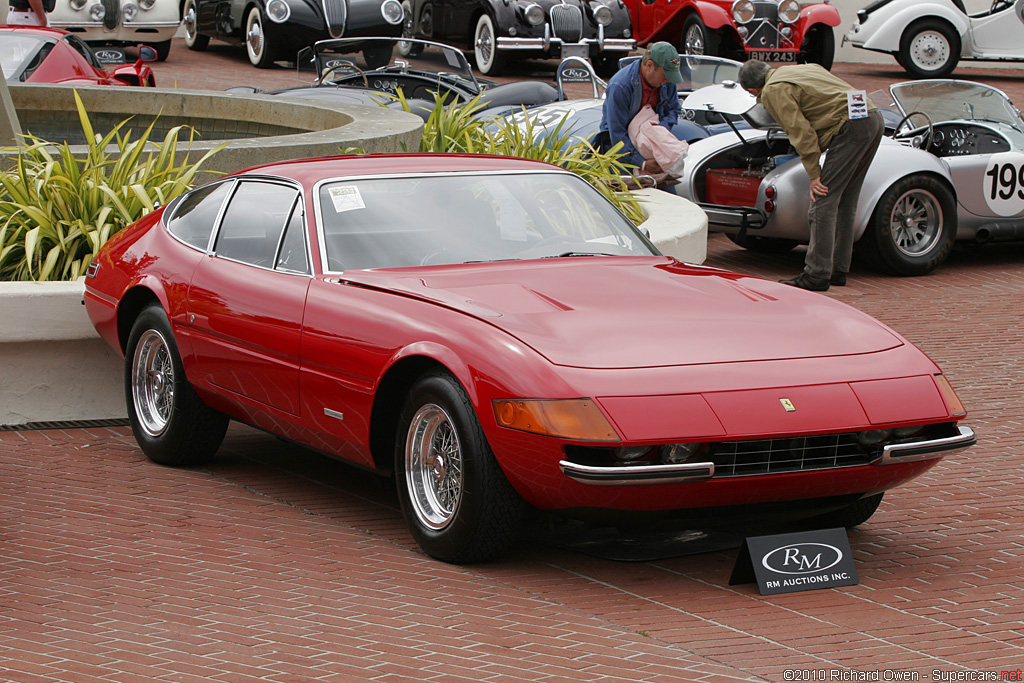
(788, 454)
(336, 15)
(567, 22)
(112, 16)
(763, 32)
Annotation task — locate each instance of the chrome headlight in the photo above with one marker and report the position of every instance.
(77, 4)
(602, 13)
(129, 11)
(742, 11)
(872, 437)
(534, 14)
(630, 453)
(96, 12)
(789, 11)
(392, 11)
(147, 4)
(278, 11)
(677, 453)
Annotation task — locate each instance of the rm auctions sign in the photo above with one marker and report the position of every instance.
(802, 561)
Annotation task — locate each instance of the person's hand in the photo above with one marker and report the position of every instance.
(650, 166)
(818, 189)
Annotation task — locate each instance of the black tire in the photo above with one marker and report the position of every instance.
(462, 509)
(819, 46)
(698, 39)
(163, 48)
(912, 228)
(490, 61)
(764, 245)
(171, 423)
(850, 516)
(406, 49)
(258, 48)
(194, 40)
(377, 57)
(929, 48)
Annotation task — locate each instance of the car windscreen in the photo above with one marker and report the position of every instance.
(15, 50)
(700, 72)
(951, 100)
(464, 218)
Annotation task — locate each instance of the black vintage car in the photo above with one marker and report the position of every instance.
(598, 30)
(278, 29)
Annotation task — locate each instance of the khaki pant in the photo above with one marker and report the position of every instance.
(831, 217)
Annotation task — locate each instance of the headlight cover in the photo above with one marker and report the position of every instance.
(789, 11)
(392, 12)
(742, 11)
(534, 14)
(278, 11)
(602, 13)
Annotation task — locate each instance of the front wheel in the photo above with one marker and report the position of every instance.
(819, 46)
(194, 40)
(456, 500)
(163, 49)
(913, 227)
(171, 423)
(489, 59)
(698, 39)
(259, 49)
(929, 49)
(405, 48)
(378, 56)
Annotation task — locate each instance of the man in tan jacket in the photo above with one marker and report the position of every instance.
(821, 112)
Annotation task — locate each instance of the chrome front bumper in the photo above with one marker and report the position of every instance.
(636, 475)
(607, 44)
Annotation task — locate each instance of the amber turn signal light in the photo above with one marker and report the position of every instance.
(956, 407)
(577, 418)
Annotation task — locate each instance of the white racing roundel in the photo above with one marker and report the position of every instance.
(1003, 184)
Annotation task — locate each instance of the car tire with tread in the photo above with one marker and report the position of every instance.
(456, 500)
(920, 39)
(194, 40)
(171, 423)
(912, 227)
(257, 47)
(163, 49)
(490, 61)
(819, 46)
(697, 38)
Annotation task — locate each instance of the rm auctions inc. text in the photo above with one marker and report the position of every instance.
(954, 676)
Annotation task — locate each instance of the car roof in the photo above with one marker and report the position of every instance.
(43, 32)
(309, 171)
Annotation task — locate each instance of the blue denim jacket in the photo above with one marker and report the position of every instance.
(622, 103)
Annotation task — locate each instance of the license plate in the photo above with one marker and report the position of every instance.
(772, 55)
(575, 50)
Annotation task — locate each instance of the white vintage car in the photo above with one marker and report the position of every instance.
(120, 22)
(929, 37)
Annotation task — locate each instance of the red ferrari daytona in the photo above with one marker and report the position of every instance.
(496, 335)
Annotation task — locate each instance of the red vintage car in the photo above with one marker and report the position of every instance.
(496, 335)
(30, 54)
(770, 30)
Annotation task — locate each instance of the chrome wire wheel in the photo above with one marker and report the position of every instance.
(190, 22)
(484, 43)
(153, 383)
(929, 50)
(433, 467)
(693, 43)
(916, 222)
(255, 38)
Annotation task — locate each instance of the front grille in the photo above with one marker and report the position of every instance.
(787, 454)
(567, 22)
(336, 16)
(112, 16)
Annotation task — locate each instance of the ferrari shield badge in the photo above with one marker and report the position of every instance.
(788, 405)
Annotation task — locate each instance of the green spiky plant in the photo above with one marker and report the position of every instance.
(56, 211)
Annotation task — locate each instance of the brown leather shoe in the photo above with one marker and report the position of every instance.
(805, 281)
(838, 279)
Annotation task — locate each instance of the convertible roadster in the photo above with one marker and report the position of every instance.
(953, 171)
(496, 335)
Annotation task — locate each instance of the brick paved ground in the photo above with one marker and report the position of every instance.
(274, 564)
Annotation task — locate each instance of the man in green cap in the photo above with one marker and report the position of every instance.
(649, 81)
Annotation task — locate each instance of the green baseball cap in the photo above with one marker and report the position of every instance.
(666, 56)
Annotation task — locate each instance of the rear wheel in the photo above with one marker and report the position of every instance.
(913, 226)
(698, 39)
(171, 423)
(194, 40)
(456, 500)
(929, 48)
(259, 49)
(819, 46)
(489, 59)
(764, 245)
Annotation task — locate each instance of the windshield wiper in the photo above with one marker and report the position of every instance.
(566, 254)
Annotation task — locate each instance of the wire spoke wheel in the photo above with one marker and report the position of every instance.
(433, 466)
(153, 383)
(694, 42)
(916, 222)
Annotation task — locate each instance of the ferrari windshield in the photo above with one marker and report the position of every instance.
(333, 59)
(398, 222)
(950, 100)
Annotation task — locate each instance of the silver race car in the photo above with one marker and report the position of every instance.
(953, 169)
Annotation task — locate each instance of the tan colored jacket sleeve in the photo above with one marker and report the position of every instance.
(780, 101)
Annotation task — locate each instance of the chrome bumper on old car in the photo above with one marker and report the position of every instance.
(634, 475)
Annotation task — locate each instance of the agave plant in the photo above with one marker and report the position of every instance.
(56, 211)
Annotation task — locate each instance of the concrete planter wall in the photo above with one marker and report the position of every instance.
(56, 368)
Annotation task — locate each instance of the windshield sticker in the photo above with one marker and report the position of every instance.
(1003, 184)
(346, 198)
(857, 104)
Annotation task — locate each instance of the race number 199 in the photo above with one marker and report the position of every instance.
(1003, 184)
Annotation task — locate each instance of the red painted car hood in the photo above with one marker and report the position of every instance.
(600, 312)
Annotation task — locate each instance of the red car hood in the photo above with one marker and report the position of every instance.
(599, 312)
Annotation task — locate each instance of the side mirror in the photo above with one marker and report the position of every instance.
(147, 54)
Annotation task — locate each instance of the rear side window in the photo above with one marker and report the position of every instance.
(196, 213)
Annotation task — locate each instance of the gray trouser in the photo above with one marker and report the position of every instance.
(831, 217)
